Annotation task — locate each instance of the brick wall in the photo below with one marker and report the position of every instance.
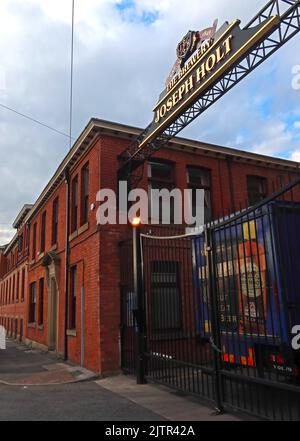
(13, 285)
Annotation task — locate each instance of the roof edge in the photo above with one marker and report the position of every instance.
(21, 216)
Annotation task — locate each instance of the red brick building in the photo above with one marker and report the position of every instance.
(13, 276)
(60, 275)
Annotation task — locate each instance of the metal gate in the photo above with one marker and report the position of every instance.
(214, 313)
(175, 353)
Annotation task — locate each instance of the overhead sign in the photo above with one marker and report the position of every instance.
(202, 58)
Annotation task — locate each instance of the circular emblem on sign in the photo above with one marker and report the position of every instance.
(185, 46)
(188, 45)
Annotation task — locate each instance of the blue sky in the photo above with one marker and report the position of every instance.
(128, 11)
(124, 51)
(125, 4)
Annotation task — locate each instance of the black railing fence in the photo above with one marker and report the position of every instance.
(217, 313)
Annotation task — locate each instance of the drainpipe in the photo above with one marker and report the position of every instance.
(67, 262)
(82, 327)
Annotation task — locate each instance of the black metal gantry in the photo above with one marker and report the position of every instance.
(289, 25)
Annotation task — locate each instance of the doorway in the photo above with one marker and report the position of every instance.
(52, 320)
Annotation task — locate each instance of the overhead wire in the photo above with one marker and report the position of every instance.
(30, 118)
(41, 123)
(72, 72)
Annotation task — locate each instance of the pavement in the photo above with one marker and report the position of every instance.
(20, 365)
(169, 404)
(68, 402)
(36, 386)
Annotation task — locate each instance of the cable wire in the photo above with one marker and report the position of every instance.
(34, 120)
(72, 71)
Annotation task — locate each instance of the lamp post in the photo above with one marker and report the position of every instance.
(139, 293)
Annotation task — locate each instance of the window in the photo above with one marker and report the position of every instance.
(41, 302)
(20, 243)
(18, 286)
(43, 232)
(27, 236)
(32, 303)
(73, 287)
(74, 206)
(85, 194)
(55, 222)
(281, 182)
(13, 289)
(200, 179)
(166, 311)
(257, 189)
(34, 241)
(161, 176)
(23, 286)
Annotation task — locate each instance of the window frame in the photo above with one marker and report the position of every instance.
(168, 183)
(165, 285)
(250, 192)
(41, 301)
(206, 188)
(23, 285)
(73, 298)
(43, 232)
(20, 243)
(55, 211)
(74, 204)
(85, 194)
(34, 241)
(32, 303)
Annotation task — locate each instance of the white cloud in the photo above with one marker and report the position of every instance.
(296, 156)
(297, 125)
(6, 235)
(276, 137)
